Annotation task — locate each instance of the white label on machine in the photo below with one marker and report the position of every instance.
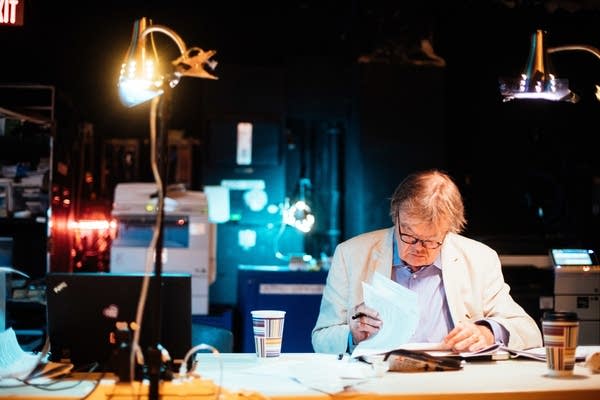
(244, 143)
(295, 288)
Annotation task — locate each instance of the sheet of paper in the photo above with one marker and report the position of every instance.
(486, 351)
(539, 353)
(14, 362)
(4, 269)
(416, 346)
(398, 309)
(217, 198)
(326, 373)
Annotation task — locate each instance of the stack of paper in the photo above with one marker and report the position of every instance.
(14, 362)
(399, 311)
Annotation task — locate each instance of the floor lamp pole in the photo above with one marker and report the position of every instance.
(155, 364)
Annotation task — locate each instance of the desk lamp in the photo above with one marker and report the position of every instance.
(538, 81)
(141, 80)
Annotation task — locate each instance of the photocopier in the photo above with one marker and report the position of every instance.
(577, 289)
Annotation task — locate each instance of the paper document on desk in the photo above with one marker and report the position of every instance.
(399, 311)
(440, 351)
(323, 372)
(539, 353)
(14, 362)
(13, 271)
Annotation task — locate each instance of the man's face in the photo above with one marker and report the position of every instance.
(427, 238)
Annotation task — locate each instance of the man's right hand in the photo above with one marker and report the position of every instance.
(364, 323)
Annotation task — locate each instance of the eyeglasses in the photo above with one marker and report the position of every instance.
(410, 239)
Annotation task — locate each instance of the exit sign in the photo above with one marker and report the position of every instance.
(11, 12)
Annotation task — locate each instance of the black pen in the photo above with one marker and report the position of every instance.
(364, 359)
(358, 315)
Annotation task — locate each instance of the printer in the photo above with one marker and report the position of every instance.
(188, 237)
(577, 289)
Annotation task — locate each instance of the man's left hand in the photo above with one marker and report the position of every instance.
(467, 336)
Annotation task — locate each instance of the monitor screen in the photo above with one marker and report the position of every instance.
(83, 309)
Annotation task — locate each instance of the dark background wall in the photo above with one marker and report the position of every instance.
(529, 172)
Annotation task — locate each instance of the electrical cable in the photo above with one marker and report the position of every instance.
(150, 256)
(203, 346)
(276, 240)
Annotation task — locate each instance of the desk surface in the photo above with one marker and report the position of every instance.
(243, 373)
(478, 379)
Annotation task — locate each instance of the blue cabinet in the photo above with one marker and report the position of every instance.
(298, 293)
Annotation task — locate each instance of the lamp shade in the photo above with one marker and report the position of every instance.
(140, 79)
(537, 81)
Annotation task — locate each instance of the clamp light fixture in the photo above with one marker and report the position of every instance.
(141, 79)
(538, 80)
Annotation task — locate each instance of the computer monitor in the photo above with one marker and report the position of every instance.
(83, 309)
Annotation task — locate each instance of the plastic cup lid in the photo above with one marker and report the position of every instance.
(267, 313)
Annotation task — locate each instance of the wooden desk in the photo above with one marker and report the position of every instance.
(244, 376)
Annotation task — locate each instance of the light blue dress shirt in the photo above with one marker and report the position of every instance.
(435, 320)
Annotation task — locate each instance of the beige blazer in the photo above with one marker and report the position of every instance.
(472, 277)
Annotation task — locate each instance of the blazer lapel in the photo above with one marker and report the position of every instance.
(453, 274)
(381, 261)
